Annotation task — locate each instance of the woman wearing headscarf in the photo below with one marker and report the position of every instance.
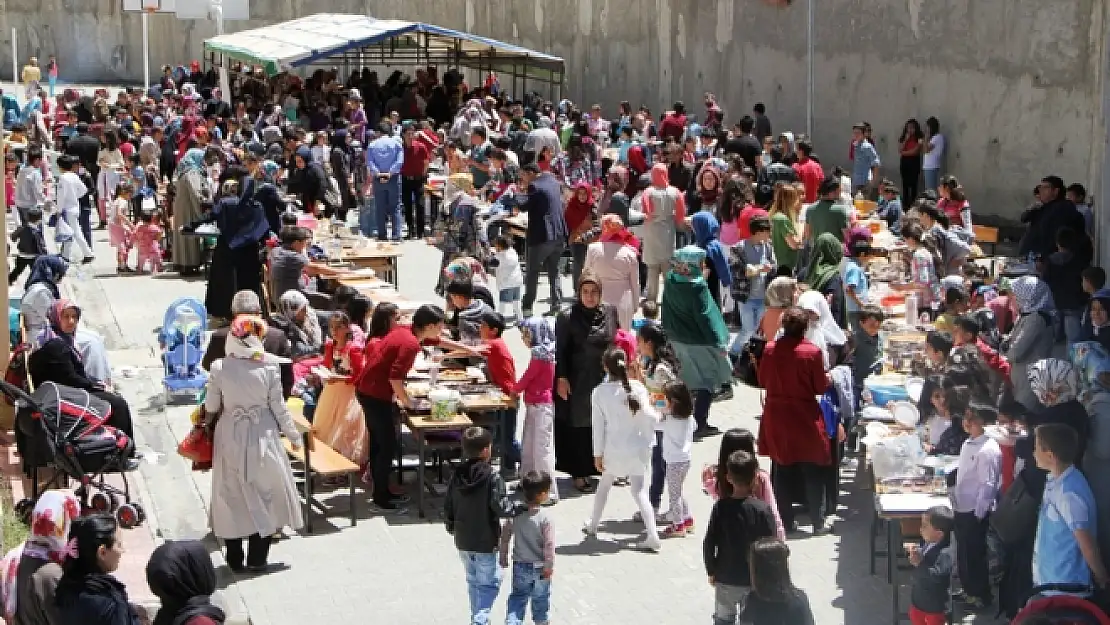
(664, 213)
(180, 573)
(580, 216)
(697, 331)
(582, 334)
(824, 275)
(243, 225)
(822, 330)
(247, 303)
(1093, 362)
(1095, 322)
(29, 573)
(253, 492)
(459, 231)
(707, 233)
(341, 171)
(779, 296)
(307, 180)
(614, 260)
(40, 291)
(614, 201)
(301, 326)
(191, 191)
(1055, 383)
(59, 359)
(1032, 338)
(792, 432)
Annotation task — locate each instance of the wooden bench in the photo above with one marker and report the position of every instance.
(320, 460)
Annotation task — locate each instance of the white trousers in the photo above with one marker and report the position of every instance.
(639, 490)
(537, 452)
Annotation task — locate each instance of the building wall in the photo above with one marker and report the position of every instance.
(1017, 84)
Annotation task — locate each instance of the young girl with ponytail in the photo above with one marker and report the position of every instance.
(623, 433)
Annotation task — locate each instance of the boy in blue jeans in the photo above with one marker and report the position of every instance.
(476, 501)
(533, 538)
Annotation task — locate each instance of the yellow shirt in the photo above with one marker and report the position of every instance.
(31, 73)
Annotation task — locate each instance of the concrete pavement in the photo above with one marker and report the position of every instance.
(399, 569)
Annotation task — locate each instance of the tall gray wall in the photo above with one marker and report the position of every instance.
(1017, 84)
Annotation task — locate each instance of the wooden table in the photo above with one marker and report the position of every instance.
(896, 510)
(382, 260)
(421, 426)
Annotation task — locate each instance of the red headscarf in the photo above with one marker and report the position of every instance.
(185, 135)
(613, 230)
(577, 211)
(637, 162)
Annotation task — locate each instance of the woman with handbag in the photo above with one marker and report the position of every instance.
(253, 492)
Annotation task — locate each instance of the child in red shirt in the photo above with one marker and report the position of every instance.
(501, 371)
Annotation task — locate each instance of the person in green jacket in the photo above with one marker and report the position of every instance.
(697, 330)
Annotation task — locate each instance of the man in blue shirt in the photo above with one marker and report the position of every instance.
(384, 158)
(1066, 547)
(865, 162)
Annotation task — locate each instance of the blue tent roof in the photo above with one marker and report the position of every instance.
(311, 39)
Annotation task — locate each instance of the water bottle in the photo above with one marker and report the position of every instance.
(911, 309)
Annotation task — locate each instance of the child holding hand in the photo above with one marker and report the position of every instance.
(120, 228)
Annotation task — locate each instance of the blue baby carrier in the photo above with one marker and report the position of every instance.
(182, 340)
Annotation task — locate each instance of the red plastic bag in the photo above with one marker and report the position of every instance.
(197, 446)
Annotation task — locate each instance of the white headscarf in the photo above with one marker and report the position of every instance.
(1054, 377)
(1032, 295)
(824, 333)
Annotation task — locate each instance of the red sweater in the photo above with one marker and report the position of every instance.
(500, 366)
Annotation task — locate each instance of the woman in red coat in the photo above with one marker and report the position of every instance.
(792, 432)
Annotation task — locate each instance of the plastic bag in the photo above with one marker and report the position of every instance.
(898, 456)
(197, 446)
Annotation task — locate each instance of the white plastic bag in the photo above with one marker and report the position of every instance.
(898, 456)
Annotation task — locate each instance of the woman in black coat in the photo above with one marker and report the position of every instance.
(582, 334)
(341, 171)
(88, 593)
(58, 360)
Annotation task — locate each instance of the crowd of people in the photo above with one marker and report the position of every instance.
(734, 225)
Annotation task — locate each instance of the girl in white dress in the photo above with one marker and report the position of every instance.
(623, 433)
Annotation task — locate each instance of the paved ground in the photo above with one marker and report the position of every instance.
(386, 566)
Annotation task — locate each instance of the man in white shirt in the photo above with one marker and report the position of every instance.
(934, 154)
(70, 192)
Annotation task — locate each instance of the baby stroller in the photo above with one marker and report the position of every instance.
(182, 340)
(63, 427)
(1065, 609)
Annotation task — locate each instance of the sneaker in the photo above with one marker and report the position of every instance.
(649, 545)
(706, 432)
(674, 531)
(588, 530)
(689, 525)
(660, 519)
(88, 259)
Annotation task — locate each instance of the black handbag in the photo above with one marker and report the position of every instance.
(1015, 518)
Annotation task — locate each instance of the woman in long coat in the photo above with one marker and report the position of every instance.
(615, 262)
(190, 191)
(253, 492)
(582, 334)
(792, 432)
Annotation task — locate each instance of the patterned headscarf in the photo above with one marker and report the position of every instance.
(541, 337)
(244, 340)
(193, 161)
(1091, 361)
(686, 264)
(612, 229)
(293, 302)
(466, 268)
(49, 540)
(780, 293)
(1032, 295)
(1055, 377)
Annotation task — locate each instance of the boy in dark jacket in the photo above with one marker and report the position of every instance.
(476, 501)
(29, 243)
(735, 523)
(933, 573)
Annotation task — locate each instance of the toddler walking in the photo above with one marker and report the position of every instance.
(538, 451)
(148, 243)
(623, 432)
(678, 439)
(509, 276)
(120, 227)
(533, 539)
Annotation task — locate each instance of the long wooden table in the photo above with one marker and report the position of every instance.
(383, 260)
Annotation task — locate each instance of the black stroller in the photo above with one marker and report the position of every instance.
(64, 428)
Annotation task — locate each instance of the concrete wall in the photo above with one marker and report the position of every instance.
(1017, 84)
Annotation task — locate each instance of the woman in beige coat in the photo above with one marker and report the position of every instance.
(253, 492)
(613, 259)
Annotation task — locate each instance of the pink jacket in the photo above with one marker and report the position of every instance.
(537, 382)
(763, 492)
